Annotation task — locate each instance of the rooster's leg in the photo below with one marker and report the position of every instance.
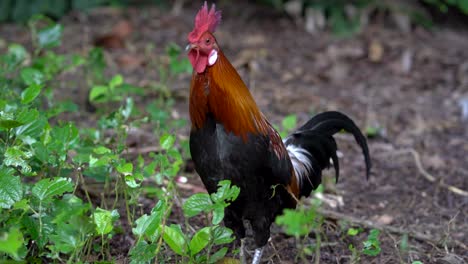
(258, 255)
(242, 252)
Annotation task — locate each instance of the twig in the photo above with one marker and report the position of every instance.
(143, 150)
(276, 254)
(424, 173)
(387, 228)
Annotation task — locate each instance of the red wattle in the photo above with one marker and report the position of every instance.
(198, 61)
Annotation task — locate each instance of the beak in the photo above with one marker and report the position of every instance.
(191, 46)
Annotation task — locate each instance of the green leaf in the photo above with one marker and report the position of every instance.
(30, 93)
(11, 189)
(167, 141)
(50, 36)
(148, 224)
(297, 222)
(196, 204)
(48, 188)
(66, 238)
(8, 123)
(142, 252)
(125, 169)
(218, 213)
(225, 192)
(222, 235)
(104, 220)
(175, 239)
(417, 262)
(131, 182)
(199, 241)
(11, 242)
(98, 93)
(32, 76)
(16, 54)
(353, 231)
(101, 150)
(33, 128)
(218, 255)
(15, 157)
(116, 81)
(289, 122)
(372, 244)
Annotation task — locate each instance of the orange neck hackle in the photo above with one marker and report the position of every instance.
(220, 91)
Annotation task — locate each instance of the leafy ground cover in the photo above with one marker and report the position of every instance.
(94, 159)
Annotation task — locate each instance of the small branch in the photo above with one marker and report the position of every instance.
(391, 229)
(143, 150)
(423, 172)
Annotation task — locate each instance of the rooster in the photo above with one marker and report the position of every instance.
(231, 139)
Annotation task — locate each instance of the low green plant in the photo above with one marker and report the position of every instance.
(302, 221)
(288, 124)
(47, 209)
(370, 246)
(153, 232)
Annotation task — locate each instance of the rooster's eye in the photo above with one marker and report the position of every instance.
(207, 41)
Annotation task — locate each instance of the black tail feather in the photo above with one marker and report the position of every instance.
(316, 137)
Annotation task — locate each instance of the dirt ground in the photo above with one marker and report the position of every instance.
(407, 84)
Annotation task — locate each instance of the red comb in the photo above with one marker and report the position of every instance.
(205, 21)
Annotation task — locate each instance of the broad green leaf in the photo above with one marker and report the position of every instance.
(372, 244)
(125, 169)
(222, 235)
(131, 182)
(225, 192)
(69, 207)
(142, 252)
(98, 93)
(22, 205)
(11, 189)
(33, 128)
(116, 81)
(30, 93)
(101, 150)
(48, 188)
(32, 76)
(50, 36)
(295, 222)
(353, 231)
(218, 213)
(218, 255)
(8, 123)
(66, 238)
(200, 240)
(196, 204)
(15, 157)
(175, 239)
(104, 220)
(11, 242)
(148, 224)
(17, 53)
(167, 141)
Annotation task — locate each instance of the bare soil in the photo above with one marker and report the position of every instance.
(408, 84)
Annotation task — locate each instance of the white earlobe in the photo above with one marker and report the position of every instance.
(213, 57)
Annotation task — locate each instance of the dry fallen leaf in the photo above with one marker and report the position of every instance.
(376, 51)
(384, 219)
